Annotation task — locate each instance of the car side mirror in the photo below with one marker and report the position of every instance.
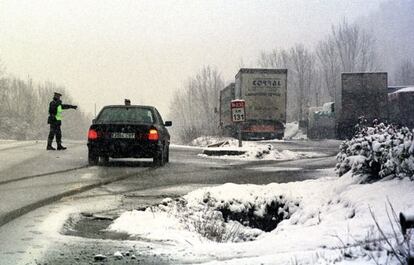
(93, 121)
(168, 123)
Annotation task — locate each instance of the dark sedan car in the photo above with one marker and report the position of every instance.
(128, 132)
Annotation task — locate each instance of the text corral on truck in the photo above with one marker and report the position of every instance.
(265, 93)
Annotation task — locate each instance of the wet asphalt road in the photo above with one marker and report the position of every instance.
(129, 184)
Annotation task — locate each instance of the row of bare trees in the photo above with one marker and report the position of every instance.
(24, 110)
(314, 74)
(193, 108)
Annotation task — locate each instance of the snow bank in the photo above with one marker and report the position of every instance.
(404, 90)
(319, 216)
(292, 132)
(205, 141)
(258, 151)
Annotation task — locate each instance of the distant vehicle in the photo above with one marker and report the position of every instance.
(133, 131)
(265, 93)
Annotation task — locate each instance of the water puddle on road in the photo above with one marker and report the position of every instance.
(88, 225)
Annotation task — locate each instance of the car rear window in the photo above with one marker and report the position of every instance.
(125, 115)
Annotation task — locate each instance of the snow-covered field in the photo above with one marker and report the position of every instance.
(320, 217)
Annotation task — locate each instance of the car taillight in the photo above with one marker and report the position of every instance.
(92, 134)
(153, 135)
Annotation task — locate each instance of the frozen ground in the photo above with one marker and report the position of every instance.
(322, 216)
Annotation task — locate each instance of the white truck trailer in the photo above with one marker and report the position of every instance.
(265, 94)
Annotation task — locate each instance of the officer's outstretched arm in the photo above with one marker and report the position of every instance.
(67, 106)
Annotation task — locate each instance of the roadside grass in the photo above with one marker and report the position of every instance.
(378, 246)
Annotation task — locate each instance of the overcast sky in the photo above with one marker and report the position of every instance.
(105, 51)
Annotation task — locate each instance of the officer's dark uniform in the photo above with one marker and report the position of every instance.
(55, 121)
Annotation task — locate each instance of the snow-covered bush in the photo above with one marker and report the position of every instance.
(206, 220)
(378, 152)
(230, 220)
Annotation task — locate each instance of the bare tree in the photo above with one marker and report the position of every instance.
(193, 108)
(302, 68)
(348, 48)
(328, 67)
(24, 111)
(355, 47)
(274, 59)
(405, 73)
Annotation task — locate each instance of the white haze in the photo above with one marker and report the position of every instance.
(393, 28)
(105, 51)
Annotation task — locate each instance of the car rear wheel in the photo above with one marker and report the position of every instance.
(167, 156)
(159, 158)
(92, 159)
(105, 160)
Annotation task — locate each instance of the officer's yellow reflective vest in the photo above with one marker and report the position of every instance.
(59, 113)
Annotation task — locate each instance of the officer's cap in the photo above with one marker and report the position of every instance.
(57, 94)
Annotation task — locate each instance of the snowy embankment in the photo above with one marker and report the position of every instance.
(315, 217)
(251, 150)
(320, 221)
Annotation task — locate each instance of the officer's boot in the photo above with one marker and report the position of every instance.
(49, 145)
(60, 147)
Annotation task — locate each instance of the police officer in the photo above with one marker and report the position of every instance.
(55, 120)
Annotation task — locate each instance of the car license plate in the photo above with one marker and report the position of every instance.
(123, 135)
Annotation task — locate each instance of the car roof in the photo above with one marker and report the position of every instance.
(129, 106)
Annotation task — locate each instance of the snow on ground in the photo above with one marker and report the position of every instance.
(185, 147)
(205, 141)
(320, 215)
(253, 150)
(292, 132)
(5, 144)
(404, 90)
(275, 169)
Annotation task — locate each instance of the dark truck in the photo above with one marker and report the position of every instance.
(265, 94)
(128, 132)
